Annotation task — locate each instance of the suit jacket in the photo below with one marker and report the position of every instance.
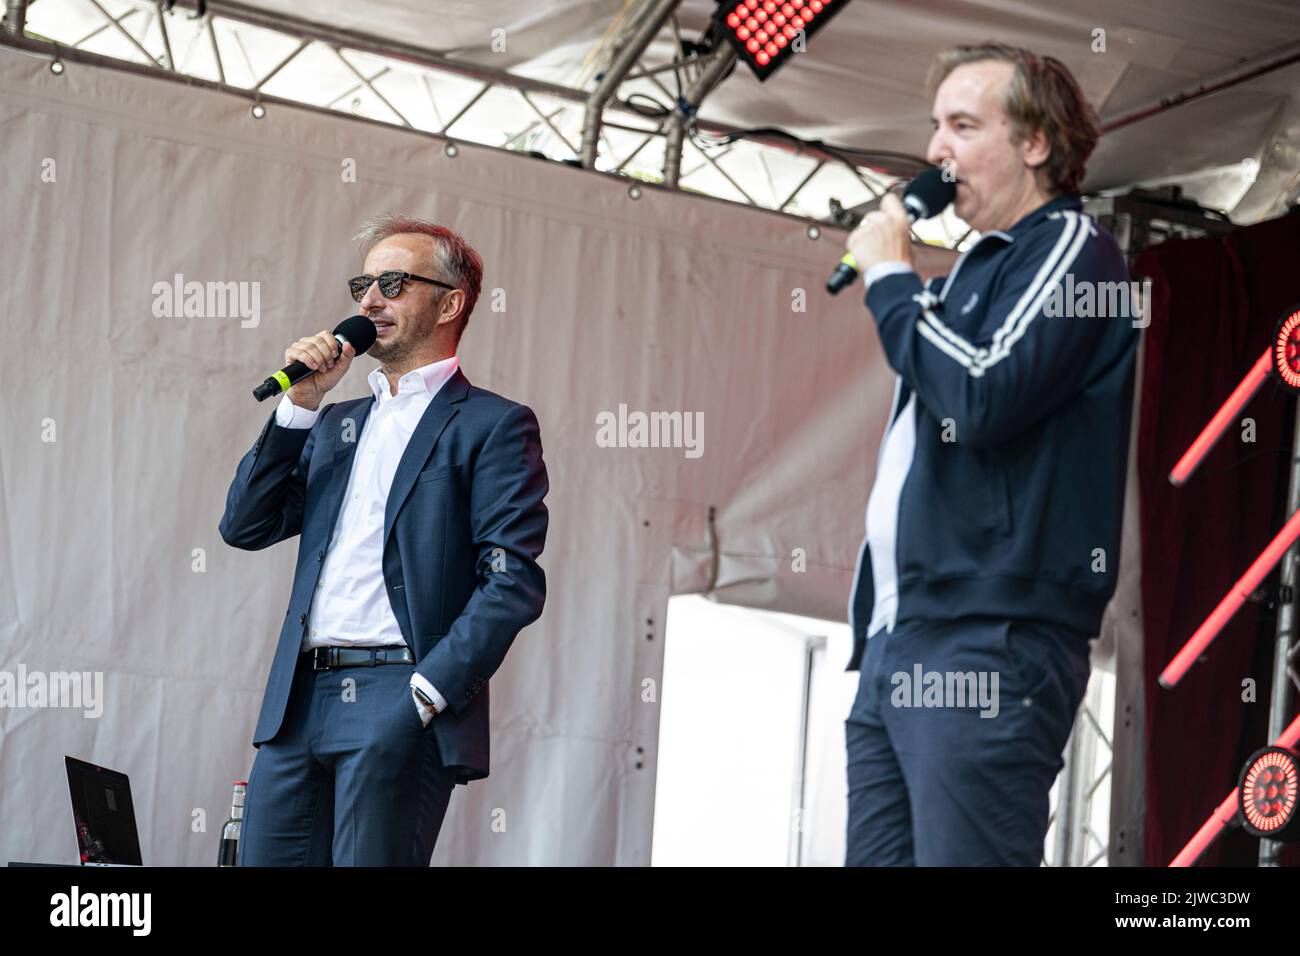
(463, 527)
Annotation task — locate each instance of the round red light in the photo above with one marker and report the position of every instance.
(787, 9)
(733, 20)
(789, 31)
(806, 14)
(770, 6)
(762, 59)
(742, 11)
(780, 40)
(772, 49)
(796, 22)
(752, 45)
(1286, 350)
(761, 36)
(779, 19)
(752, 23)
(760, 16)
(1269, 782)
(742, 32)
(817, 6)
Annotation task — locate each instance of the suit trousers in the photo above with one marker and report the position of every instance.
(949, 785)
(352, 778)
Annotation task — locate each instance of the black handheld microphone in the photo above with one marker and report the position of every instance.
(927, 195)
(357, 329)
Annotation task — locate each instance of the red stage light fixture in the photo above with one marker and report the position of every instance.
(1286, 351)
(1228, 812)
(1267, 793)
(764, 33)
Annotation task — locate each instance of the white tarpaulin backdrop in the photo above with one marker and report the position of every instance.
(122, 431)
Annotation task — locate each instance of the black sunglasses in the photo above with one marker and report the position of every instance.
(390, 284)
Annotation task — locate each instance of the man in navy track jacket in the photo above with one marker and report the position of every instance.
(993, 526)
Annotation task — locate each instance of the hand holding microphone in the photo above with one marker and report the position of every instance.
(316, 363)
(883, 235)
(328, 362)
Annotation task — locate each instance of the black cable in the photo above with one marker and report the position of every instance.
(842, 154)
(659, 111)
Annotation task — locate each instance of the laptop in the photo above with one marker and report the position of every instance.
(104, 815)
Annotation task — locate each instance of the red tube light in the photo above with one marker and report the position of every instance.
(1223, 418)
(1232, 601)
(1282, 360)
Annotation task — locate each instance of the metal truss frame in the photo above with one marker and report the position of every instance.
(1075, 842)
(638, 29)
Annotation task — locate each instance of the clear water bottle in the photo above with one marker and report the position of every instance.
(230, 832)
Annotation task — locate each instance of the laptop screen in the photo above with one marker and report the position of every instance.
(103, 813)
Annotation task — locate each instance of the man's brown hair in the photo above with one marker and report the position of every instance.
(1042, 94)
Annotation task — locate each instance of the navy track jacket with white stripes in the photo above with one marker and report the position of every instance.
(999, 486)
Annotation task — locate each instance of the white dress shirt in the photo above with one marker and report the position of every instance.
(350, 607)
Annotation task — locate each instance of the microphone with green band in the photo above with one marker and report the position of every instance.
(927, 195)
(356, 329)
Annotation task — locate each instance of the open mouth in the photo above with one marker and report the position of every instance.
(382, 328)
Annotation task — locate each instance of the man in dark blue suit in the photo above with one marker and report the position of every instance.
(421, 515)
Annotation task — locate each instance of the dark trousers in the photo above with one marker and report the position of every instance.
(352, 778)
(942, 785)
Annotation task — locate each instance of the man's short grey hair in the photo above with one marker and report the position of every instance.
(454, 259)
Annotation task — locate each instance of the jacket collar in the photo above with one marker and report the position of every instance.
(1053, 205)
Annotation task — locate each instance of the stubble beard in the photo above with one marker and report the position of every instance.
(393, 354)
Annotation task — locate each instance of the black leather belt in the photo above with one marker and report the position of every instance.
(326, 658)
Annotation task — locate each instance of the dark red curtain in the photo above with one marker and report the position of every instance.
(1216, 302)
